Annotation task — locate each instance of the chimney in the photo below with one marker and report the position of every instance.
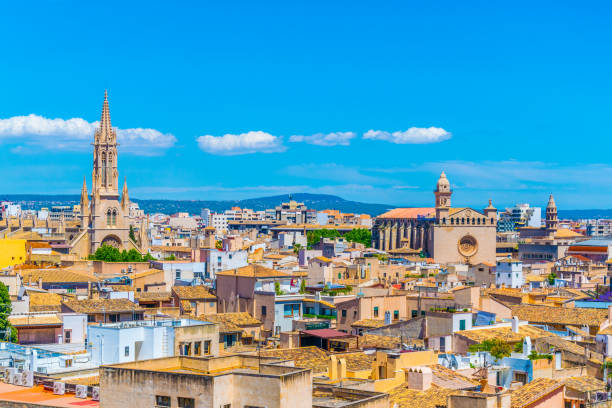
(483, 384)
(333, 368)
(40, 282)
(515, 324)
(419, 378)
(342, 368)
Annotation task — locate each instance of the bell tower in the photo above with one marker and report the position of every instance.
(552, 222)
(443, 192)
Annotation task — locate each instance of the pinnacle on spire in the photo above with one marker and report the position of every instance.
(84, 195)
(105, 121)
(551, 202)
(125, 198)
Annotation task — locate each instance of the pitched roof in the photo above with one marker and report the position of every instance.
(55, 276)
(447, 378)
(193, 292)
(102, 306)
(231, 322)
(369, 323)
(357, 361)
(584, 383)
(44, 301)
(560, 315)
(379, 342)
(152, 296)
(255, 271)
(409, 212)
(535, 390)
(405, 397)
(306, 357)
(504, 333)
(35, 320)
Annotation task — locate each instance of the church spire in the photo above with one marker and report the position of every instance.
(105, 121)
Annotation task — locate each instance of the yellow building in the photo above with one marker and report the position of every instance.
(12, 252)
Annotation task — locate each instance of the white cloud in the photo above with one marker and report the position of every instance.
(325, 139)
(76, 134)
(413, 135)
(244, 143)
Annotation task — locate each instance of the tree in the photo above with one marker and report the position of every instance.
(171, 258)
(497, 347)
(303, 286)
(551, 278)
(315, 236)
(109, 253)
(132, 235)
(8, 331)
(219, 245)
(297, 248)
(148, 257)
(277, 289)
(361, 235)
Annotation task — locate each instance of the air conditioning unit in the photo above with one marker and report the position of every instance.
(81, 391)
(59, 388)
(27, 378)
(95, 393)
(17, 378)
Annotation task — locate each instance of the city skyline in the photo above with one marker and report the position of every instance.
(373, 115)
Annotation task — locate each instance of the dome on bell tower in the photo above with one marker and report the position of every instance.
(443, 192)
(443, 183)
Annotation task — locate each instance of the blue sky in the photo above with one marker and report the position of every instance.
(366, 100)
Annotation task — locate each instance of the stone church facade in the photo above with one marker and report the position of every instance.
(444, 233)
(105, 218)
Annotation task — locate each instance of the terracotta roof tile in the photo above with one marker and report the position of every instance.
(193, 292)
(102, 306)
(532, 392)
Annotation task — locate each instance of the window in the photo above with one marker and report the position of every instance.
(414, 313)
(375, 311)
(185, 349)
(114, 217)
(197, 348)
(162, 401)
(91, 319)
(178, 274)
(67, 336)
(344, 313)
(396, 315)
(186, 402)
(206, 346)
(127, 351)
(264, 310)
(226, 406)
(291, 310)
(114, 317)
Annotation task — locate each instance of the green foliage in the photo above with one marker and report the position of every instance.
(361, 235)
(109, 253)
(6, 330)
(219, 244)
(334, 292)
(518, 347)
(534, 355)
(170, 258)
(551, 278)
(303, 286)
(277, 289)
(498, 348)
(313, 316)
(297, 248)
(132, 235)
(315, 236)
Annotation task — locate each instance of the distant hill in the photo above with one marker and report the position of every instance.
(316, 201)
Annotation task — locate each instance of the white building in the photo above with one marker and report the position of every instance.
(219, 222)
(146, 339)
(217, 260)
(181, 270)
(205, 214)
(509, 273)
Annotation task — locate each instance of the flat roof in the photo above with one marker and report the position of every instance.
(326, 333)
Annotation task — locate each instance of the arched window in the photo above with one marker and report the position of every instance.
(452, 221)
(444, 220)
(478, 222)
(108, 217)
(103, 169)
(114, 217)
(463, 221)
(473, 221)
